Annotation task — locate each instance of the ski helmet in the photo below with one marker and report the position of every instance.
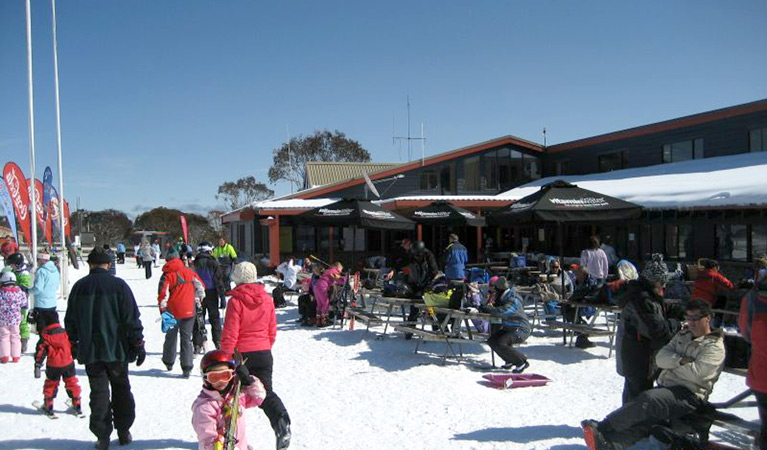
(205, 247)
(215, 358)
(17, 259)
(7, 278)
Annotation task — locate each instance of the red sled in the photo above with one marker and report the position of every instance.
(509, 381)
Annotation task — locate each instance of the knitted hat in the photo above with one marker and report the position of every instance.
(244, 272)
(501, 284)
(655, 271)
(98, 256)
(493, 279)
(170, 254)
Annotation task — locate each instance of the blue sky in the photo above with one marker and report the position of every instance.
(162, 101)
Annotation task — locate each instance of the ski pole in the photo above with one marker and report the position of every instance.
(319, 260)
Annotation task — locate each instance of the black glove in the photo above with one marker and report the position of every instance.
(38, 371)
(137, 353)
(244, 375)
(74, 350)
(222, 302)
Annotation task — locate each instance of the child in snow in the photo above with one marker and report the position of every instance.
(55, 346)
(24, 281)
(12, 299)
(211, 410)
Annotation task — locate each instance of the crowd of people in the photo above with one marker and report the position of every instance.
(670, 355)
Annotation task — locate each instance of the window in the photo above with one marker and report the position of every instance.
(471, 173)
(428, 180)
(683, 151)
(614, 161)
(758, 140)
(447, 179)
(517, 167)
(504, 169)
(562, 167)
(305, 240)
(531, 168)
(731, 242)
(491, 170)
(758, 240)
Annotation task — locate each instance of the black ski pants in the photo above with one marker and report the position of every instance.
(501, 342)
(209, 305)
(184, 328)
(148, 269)
(121, 408)
(635, 385)
(633, 421)
(260, 364)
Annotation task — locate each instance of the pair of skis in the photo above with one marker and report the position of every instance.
(52, 415)
(229, 433)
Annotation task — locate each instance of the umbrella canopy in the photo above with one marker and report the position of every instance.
(359, 213)
(444, 213)
(560, 201)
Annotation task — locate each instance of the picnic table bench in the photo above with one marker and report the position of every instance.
(610, 313)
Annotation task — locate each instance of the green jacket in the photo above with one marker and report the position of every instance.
(102, 319)
(226, 251)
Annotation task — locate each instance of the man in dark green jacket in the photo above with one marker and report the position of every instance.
(103, 324)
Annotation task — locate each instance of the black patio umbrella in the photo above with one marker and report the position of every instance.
(444, 213)
(356, 213)
(560, 201)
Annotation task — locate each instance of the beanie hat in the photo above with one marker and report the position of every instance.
(501, 284)
(655, 271)
(98, 256)
(244, 272)
(493, 279)
(170, 254)
(42, 256)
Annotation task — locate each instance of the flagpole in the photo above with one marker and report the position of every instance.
(30, 89)
(64, 254)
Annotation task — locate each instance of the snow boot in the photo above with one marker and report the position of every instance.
(282, 433)
(676, 440)
(582, 341)
(169, 367)
(186, 373)
(24, 345)
(15, 359)
(595, 440)
(102, 443)
(77, 405)
(4, 359)
(520, 368)
(124, 437)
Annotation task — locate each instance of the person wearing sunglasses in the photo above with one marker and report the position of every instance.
(690, 365)
(209, 410)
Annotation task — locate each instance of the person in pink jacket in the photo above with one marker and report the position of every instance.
(251, 327)
(321, 291)
(12, 299)
(210, 416)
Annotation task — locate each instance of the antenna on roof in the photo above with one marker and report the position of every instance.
(408, 138)
(544, 137)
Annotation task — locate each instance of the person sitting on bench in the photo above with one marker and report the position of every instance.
(289, 271)
(514, 329)
(307, 306)
(586, 289)
(690, 365)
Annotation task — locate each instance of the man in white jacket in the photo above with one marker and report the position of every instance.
(691, 363)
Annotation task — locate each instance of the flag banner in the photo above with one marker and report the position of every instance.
(184, 228)
(19, 192)
(47, 182)
(53, 207)
(39, 210)
(7, 204)
(67, 229)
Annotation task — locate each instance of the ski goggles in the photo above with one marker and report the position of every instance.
(219, 376)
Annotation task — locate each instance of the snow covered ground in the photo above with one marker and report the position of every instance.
(347, 390)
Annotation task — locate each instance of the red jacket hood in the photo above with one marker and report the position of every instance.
(252, 295)
(174, 265)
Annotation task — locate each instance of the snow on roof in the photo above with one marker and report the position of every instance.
(737, 180)
(448, 198)
(294, 203)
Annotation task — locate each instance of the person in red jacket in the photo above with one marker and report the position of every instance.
(181, 290)
(710, 283)
(54, 346)
(251, 327)
(752, 321)
(8, 247)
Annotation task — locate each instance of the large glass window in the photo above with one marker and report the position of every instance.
(305, 241)
(504, 169)
(447, 179)
(532, 168)
(683, 151)
(471, 173)
(758, 240)
(672, 241)
(491, 170)
(517, 167)
(562, 167)
(731, 242)
(614, 161)
(684, 241)
(758, 140)
(428, 180)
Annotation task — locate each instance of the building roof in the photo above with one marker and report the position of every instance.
(736, 180)
(320, 173)
(682, 122)
(404, 167)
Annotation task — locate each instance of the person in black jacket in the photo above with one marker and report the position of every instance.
(105, 330)
(645, 328)
(212, 276)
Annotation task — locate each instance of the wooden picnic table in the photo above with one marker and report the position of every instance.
(608, 310)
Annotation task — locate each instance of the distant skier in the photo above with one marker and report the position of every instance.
(55, 350)
(226, 256)
(210, 272)
(209, 410)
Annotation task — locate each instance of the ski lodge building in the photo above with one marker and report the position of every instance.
(701, 178)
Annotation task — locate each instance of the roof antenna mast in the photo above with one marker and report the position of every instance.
(409, 138)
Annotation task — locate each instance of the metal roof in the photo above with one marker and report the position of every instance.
(320, 173)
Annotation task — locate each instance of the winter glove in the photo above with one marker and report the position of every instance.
(38, 371)
(137, 353)
(74, 350)
(244, 375)
(222, 302)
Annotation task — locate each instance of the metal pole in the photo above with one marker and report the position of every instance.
(31, 95)
(64, 254)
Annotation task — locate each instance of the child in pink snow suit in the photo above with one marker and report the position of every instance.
(210, 411)
(321, 290)
(12, 299)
